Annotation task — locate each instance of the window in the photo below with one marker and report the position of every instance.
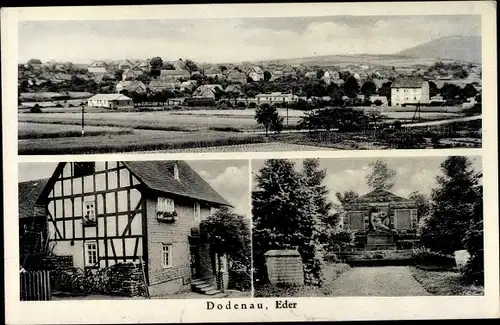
(89, 212)
(197, 211)
(166, 255)
(81, 169)
(91, 254)
(176, 172)
(165, 204)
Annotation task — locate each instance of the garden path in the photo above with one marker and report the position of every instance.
(388, 281)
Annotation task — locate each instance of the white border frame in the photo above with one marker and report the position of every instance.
(335, 308)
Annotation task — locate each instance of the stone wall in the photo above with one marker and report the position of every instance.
(284, 267)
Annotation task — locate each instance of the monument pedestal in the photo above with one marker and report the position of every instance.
(379, 239)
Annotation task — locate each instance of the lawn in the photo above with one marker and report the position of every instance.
(445, 283)
(44, 130)
(331, 271)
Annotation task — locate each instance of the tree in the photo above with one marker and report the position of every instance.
(469, 91)
(285, 217)
(381, 177)
(222, 68)
(320, 73)
(474, 243)
(268, 116)
(385, 90)
(351, 87)
(422, 202)
(433, 89)
(191, 66)
(346, 197)
(450, 91)
(454, 204)
(267, 75)
(368, 88)
(156, 63)
(227, 233)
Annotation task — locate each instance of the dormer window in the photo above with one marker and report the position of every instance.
(176, 173)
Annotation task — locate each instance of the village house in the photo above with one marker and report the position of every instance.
(276, 97)
(187, 85)
(131, 86)
(129, 74)
(207, 91)
(34, 64)
(124, 65)
(112, 101)
(97, 67)
(179, 65)
(256, 73)
(174, 75)
(145, 65)
(235, 76)
(311, 74)
(410, 91)
(159, 85)
(103, 213)
(212, 73)
(381, 218)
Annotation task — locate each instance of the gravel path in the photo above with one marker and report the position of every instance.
(387, 281)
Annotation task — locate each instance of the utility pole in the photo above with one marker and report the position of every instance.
(83, 119)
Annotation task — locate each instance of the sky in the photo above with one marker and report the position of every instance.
(230, 178)
(233, 40)
(412, 174)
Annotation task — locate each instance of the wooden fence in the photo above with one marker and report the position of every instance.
(35, 286)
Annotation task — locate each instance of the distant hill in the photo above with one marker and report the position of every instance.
(461, 48)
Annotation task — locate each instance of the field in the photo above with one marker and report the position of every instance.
(58, 131)
(45, 130)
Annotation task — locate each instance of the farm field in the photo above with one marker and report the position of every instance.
(45, 130)
(145, 120)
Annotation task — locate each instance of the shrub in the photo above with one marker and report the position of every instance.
(242, 105)
(59, 105)
(377, 102)
(36, 109)
(425, 257)
(405, 244)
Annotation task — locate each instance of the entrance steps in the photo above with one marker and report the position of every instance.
(204, 287)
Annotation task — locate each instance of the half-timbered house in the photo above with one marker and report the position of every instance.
(102, 213)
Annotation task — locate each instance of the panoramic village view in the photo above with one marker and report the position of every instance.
(130, 91)
(368, 227)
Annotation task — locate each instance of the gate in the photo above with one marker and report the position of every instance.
(35, 286)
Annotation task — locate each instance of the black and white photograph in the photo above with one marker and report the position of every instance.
(368, 227)
(249, 84)
(250, 162)
(134, 229)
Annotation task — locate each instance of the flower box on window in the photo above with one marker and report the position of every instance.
(164, 216)
(89, 222)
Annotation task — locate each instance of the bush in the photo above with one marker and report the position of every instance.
(405, 244)
(242, 105)
(59, 105)
(425, 257)
(378, 102)
(36, 109)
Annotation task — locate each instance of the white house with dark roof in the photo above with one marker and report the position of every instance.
(112, 101)
(104, 213)
(409, 91)
(174, 75)
(97, 67)
(131, 86)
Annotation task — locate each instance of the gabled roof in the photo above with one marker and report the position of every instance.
(29, 192)
(379, 196)
(110, 97)
(407, 83)
(158, 175)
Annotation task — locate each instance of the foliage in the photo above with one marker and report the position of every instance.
(156, 63)
(474, 243)
(36, 109)
(426, 257)
(267, 75)
(453, 206)
(422, 202)
(344, 119)
(381, 177)
(450, 91)
(227, 233)
(285, 217)
(347, 197)
(269, 117)
(351, 87)
(368, 88)
(469, 91)
(385, 90)
(191, 66)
